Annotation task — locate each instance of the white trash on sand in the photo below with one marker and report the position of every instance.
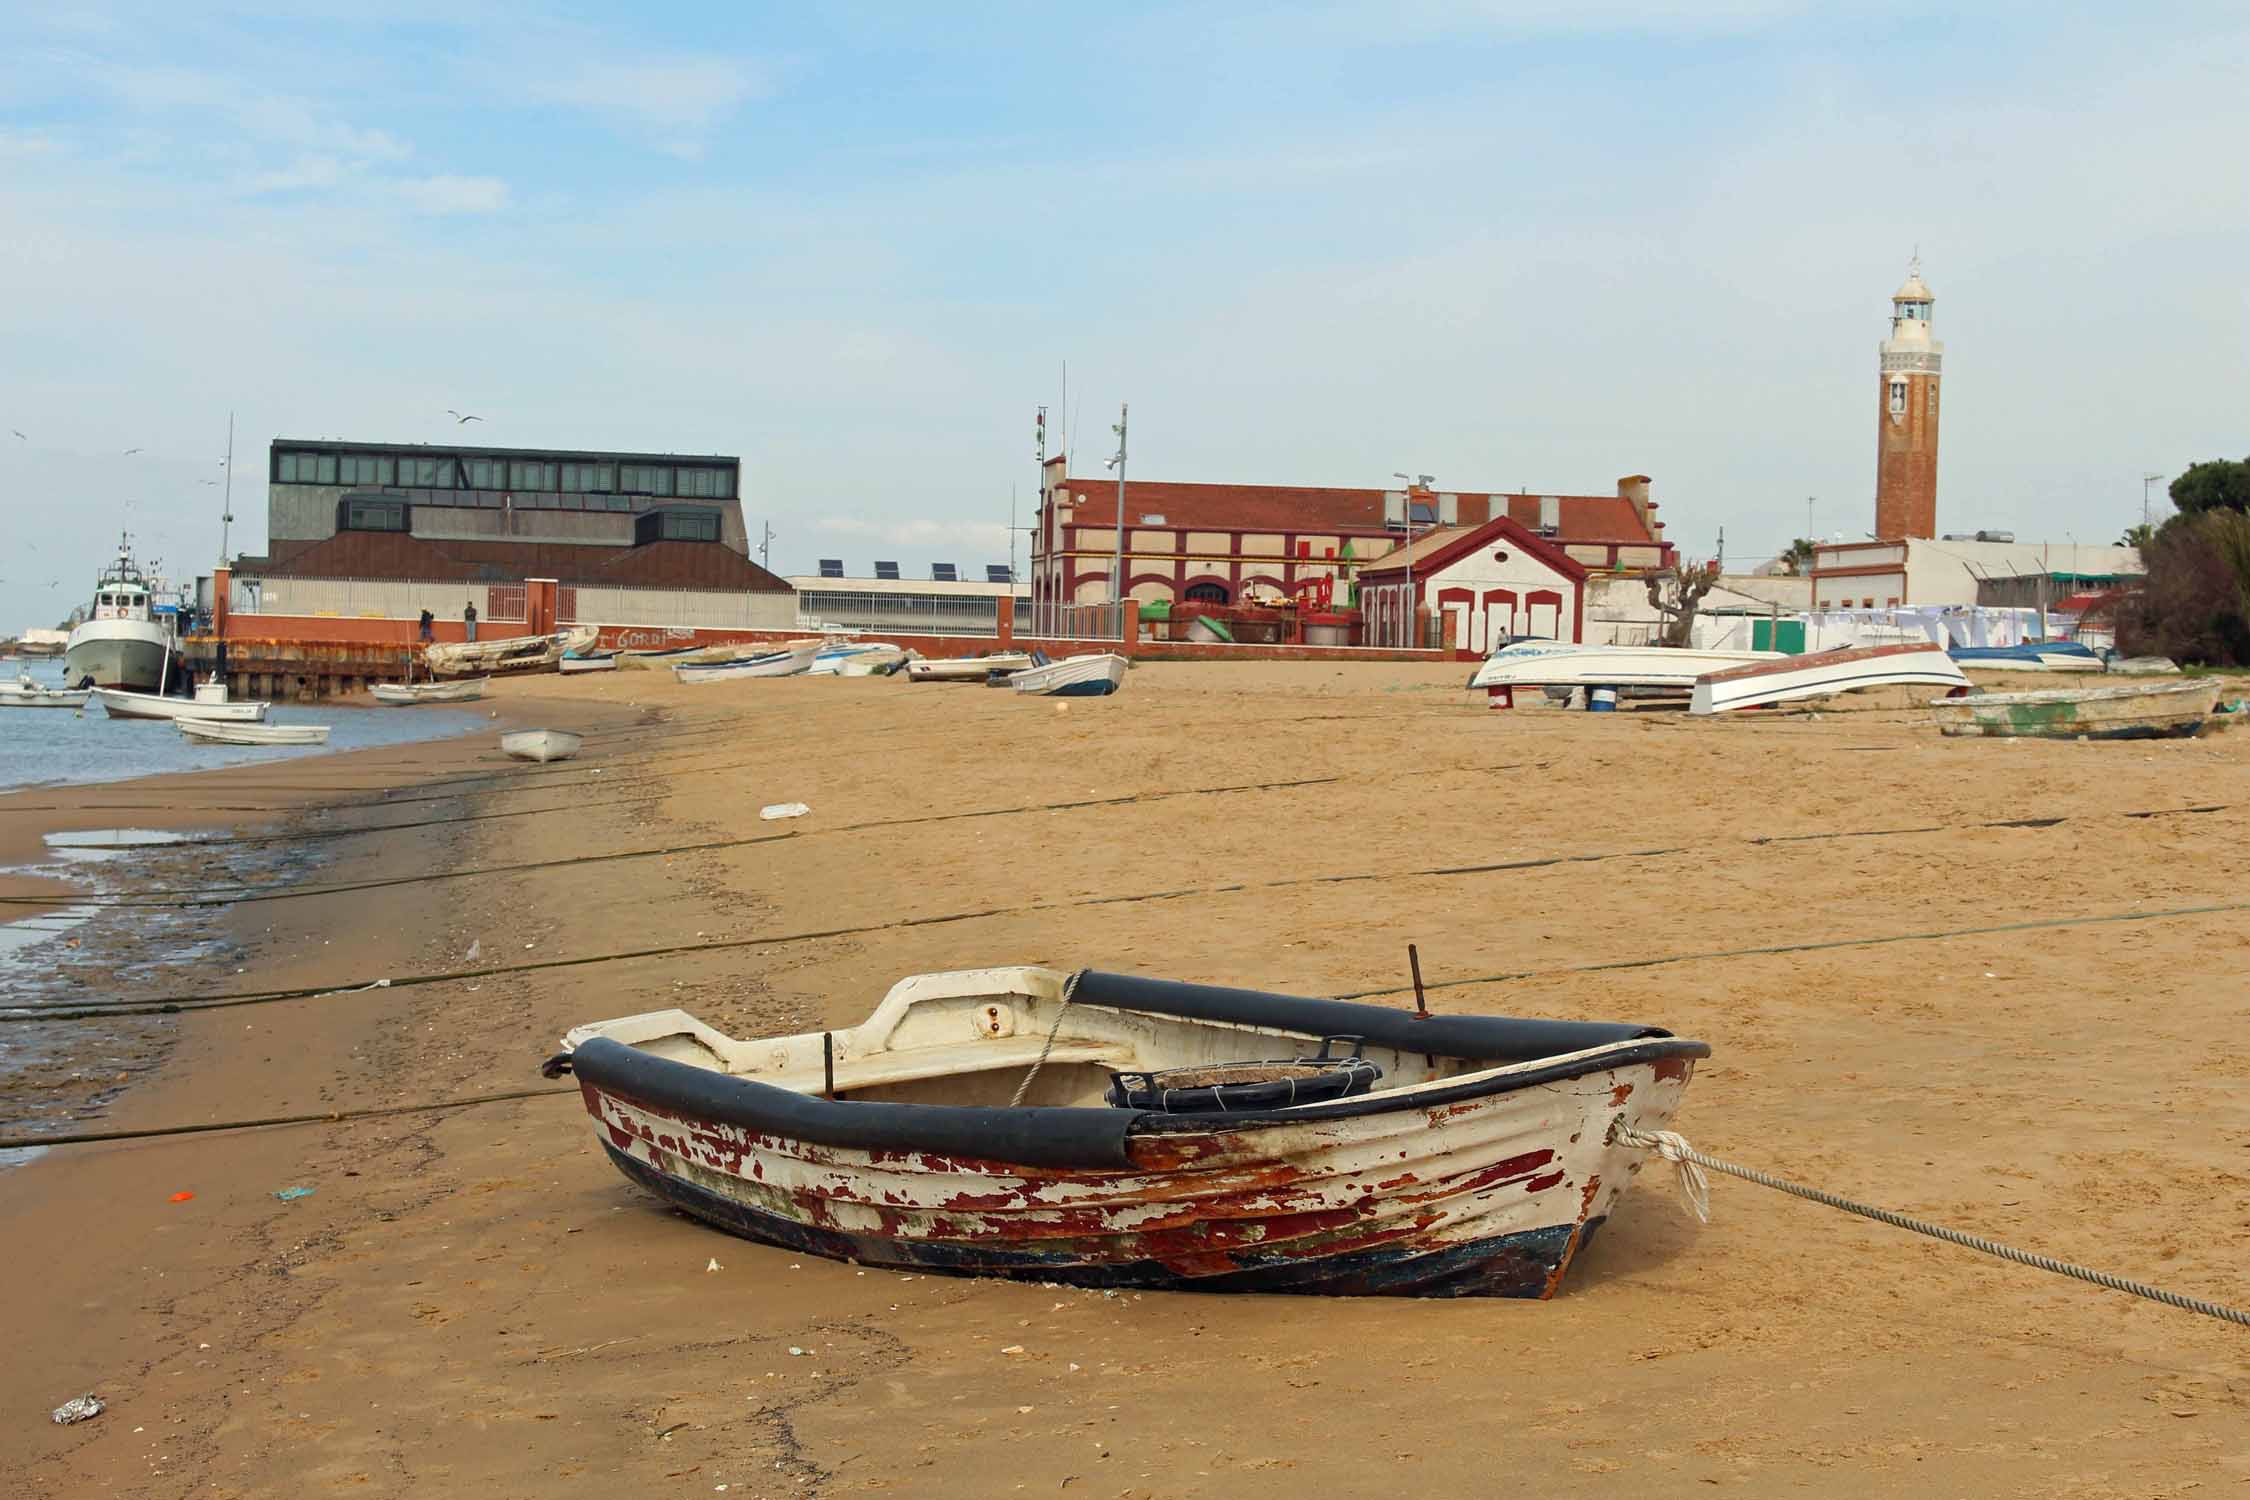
(78, 1409)
(773, 812)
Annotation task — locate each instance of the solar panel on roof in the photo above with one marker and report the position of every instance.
(831, 567)
(887, 570)
(944, 573)
(999, 573)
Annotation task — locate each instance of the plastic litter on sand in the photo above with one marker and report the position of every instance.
(778, 810)
(292, 1194)
(78, 1409)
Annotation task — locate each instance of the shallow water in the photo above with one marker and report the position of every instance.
(46, 745)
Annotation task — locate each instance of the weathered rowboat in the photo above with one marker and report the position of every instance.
(518, 653)
(406, 694)
(1095, 675)
(1793, 678)
(787, 662)
(966, 668)
(2031, 656)
(591, 661)
(541, 745)
(1567, 664)
(2137, 711)
(1103, 1130)
(219, 732)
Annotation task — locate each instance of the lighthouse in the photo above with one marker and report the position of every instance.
(1906, 422)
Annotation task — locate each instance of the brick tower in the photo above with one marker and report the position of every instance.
(1906, 423)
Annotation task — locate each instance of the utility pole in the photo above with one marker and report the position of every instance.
(1117, 574)
(1722, 557)
(226, 506)
(1038, 513)
(765, 547)
(1414, 483)
(2146, 481)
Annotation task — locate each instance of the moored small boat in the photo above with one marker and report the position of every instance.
(220, 732)
(2136, 711)
(591, 661)
(25, 692)
(966, 668)
(1567, 664)
(406, 694)
(541, 745)
(1790, 679)
(119, 704)
(1156, 1134)
(1094, 675)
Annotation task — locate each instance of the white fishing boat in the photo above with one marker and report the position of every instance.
(219, 732)
(592, 661)
(831, 659)
(25, 692)
(1095, 675)
(126, 638)
(1566, 664)
(2137, 711)
(966, 668)
(519, 653)
(875, 663)
(541, 745)
(1111, 1131)
(1794, 678)
(787, 662)
(2031, 656)
(209, 703)
(406, 694)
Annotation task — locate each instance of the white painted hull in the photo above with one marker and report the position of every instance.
(1793, 679)
(871, 663)
(120, 705)
(216, 732)
(405, 695)
(1092, 676)
(575, 664)
(541, 745)
(830, 661)
(1562, 664)
(126, 654)
(966, 668)
(15, 696)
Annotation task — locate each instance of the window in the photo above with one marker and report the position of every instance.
(532, 476)
(302, 468)
(676, 526)
(1206, 593)
(1898, 398)
(373, 515)
(484, 474)
(1933, 398)
(645, 479)
(365, 468)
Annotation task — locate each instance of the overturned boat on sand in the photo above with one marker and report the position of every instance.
(1110, 1131)
(516, 653)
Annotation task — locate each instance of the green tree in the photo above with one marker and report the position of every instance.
(1797, 557)
(2138, 536)
(2215, 484)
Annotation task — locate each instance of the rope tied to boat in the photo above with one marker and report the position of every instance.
(1695, 1187)
(1070, 991)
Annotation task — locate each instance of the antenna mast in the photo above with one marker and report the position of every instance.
(226, 506)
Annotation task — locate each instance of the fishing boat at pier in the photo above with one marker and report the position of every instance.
(126, 638)
(1110, 1131)
(2134, 711)
(209, 703)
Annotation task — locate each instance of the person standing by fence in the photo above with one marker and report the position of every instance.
(428, 634)
(469, 618)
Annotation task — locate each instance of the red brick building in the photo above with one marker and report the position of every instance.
(1214, 543)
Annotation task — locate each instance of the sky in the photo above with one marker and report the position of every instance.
(1514, 244)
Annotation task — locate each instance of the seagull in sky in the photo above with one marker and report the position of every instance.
(129, 452)
(458, 418)
(19, 434)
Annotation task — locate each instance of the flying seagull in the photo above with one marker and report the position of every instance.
(19, 434)
(458, 419)
(129, 452)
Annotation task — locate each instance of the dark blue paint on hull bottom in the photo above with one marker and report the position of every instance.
(1510, 1265)
(1100, 687)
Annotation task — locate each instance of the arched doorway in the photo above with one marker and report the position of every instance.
(1205, 592)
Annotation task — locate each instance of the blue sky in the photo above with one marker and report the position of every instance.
(1511, 244)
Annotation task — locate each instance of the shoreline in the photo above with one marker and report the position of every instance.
(473, 1301)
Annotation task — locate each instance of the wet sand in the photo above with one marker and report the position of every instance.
(474, 1301)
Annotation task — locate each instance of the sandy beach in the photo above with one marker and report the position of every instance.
(1991, 983)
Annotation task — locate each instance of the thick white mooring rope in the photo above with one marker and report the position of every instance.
(1696, 1189)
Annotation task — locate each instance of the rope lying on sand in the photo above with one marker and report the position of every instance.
(1691, 1163)
(86, 1137)
(106, 1008)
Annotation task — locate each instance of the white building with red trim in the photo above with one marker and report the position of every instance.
(1215, 543)
(1473, 589)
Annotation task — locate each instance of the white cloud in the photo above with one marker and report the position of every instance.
(676, 100)
(454, 195)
